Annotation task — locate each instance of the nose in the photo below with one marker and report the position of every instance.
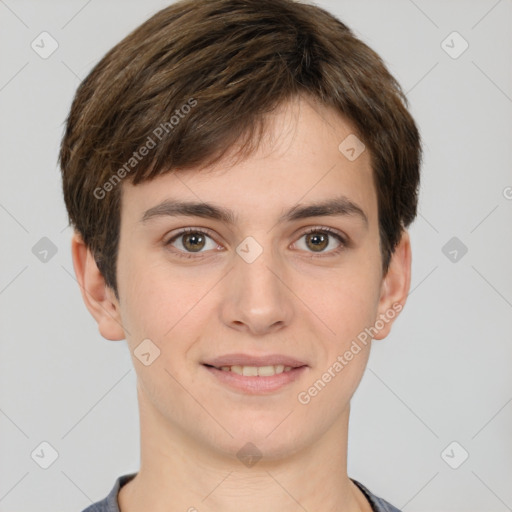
(257, 296)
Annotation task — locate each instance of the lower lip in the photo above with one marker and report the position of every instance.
(257, 385)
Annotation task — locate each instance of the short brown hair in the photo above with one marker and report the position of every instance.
(229, 62)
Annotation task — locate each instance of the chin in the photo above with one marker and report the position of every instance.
(262, 440)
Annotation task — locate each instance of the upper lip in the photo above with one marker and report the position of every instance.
(248, 360)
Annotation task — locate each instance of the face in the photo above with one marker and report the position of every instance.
(257, 279)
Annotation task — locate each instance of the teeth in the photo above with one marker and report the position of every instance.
(253, 371)
(267, 371)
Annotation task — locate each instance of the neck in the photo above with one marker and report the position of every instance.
(179, 473)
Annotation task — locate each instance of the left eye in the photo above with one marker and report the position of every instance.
(319, 240)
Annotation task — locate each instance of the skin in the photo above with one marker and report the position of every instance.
(214, 303)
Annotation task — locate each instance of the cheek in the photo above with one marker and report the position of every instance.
(348, 311)
(350, 301)
(169, 310)
(156, 296)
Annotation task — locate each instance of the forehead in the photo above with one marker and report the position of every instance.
(308, 153)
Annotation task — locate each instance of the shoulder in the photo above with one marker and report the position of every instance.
(378, 504)
(110, 504)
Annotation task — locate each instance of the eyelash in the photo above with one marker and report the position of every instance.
(323, 230)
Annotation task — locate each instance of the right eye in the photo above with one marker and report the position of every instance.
(191, 241)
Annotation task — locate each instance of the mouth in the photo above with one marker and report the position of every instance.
(255, 375)
(255, 371)
(251, 361)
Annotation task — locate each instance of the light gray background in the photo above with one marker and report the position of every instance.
(443, 375)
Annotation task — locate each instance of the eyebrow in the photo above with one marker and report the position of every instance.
(337, 206)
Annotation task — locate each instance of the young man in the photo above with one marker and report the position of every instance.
(240, 175)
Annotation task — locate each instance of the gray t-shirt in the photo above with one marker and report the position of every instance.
(109, 504)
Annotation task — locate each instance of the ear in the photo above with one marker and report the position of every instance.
(97, 296)
(395, 286)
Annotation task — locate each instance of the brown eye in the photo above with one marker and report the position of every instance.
(318, 241)
(193, 242)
